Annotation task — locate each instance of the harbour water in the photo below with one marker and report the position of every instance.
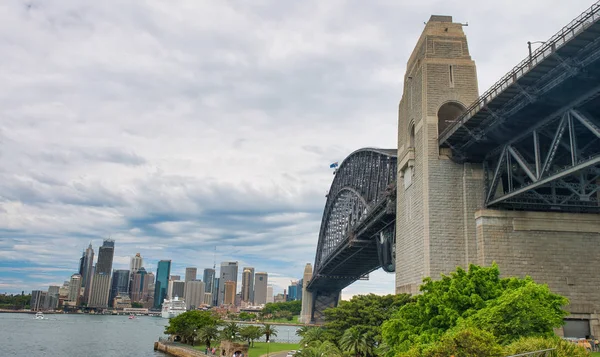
(77, 335)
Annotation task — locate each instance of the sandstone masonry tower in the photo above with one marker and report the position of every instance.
(442, 222)
(433, 234)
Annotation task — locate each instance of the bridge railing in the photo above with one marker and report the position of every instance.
(577, 25)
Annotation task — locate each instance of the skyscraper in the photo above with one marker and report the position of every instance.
(216, 288)
(247, 284)
(178, 289)
(270, 296)
(140, 285)
(87, 271)
(229, 271)
(120, 284)
(293, 291)
(261, 282)
(102, 275)
(163, 270)
(136, 263)
(194, 294)
(190, 274)
(229, 293)
(208, 278)
(74, 289)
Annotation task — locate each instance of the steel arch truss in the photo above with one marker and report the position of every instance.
(553, 166)
(362, 185)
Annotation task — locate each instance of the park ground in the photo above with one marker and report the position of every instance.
(260, 348)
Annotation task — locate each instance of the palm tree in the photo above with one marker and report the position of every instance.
(356, 342)
(230, 331)
(313, 334)
(207, 334)
(250, 333)
(320, 349)
(303, 330)
(269, 331)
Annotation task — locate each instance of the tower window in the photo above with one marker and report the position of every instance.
(451, 71)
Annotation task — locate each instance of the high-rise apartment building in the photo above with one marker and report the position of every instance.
(190, 274)
(229, 293)
(229, 271)
(194, 294)
(270, 296)
(74, 289)
(248, 285)
(261, 282)
(208, 279)
(102, 275)
(120, 284)
(163, 270)
(136, 263)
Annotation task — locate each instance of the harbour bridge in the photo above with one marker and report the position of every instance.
(534, 136)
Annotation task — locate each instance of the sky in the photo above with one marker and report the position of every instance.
(174, 127)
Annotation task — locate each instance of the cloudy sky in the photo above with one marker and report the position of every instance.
(175, 127)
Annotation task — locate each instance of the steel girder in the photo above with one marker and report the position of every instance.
(361, 189)
(552, 166)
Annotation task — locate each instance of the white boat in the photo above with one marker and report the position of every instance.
(172, 308)
(39, 316)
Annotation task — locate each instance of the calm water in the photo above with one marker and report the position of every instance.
(79, 335)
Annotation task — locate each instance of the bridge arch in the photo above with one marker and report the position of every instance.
(448, 113)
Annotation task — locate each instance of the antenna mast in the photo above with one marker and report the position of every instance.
(215, 259)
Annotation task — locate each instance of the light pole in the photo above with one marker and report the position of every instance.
(268, 348)
(529, 43)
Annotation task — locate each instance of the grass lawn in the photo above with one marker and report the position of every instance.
(260, 348)
(595, 354)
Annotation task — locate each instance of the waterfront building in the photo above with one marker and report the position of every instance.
(194, 294)
(208, 279)
(120, 284)
(121, 302)
(229, 293)
(37, 300)
(74, 289)
(248, 285)
(229, 272)
(87, 271)
(270, 297)
(163, 270)
(190, 274)
(136, 263)
(261, 282)
(100, 290)
(149, 297)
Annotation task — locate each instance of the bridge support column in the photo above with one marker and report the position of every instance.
(323, 300)
(558, 249)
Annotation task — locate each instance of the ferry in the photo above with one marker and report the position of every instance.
(172, 308)
(39, 316)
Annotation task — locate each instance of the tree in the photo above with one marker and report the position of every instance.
(320, 349)
(314, 334)
(365, 311)
(186, 324)
(303, 330)
(474, 298)
(245, 316)
(231, 331)
(468, 342)
(269, 331)
(250, 333)
(356, 342)
(207, 334)
(137, 305)
(293, 307)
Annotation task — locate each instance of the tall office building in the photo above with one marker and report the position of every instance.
(37, 300)
(229, 271)
(140, 285)
(163, 270)
(293, 291)
(208, 279)
(175, 277)
(261, 283)
(194, 294)
(86, 270)
(215, 294)
(190, 274)
(270, 296)
(102, 275)
(74, 289)
(178, 289)
(247, 284)
(136, 263)
(120, 284)
(229, 293)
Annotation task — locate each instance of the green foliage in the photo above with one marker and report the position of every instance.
(250, 333)
(459, 342)
(364, 312)
(320, 349)
(207, 334)
(294, 307)
(15, 302)
(189, 323)
(268, 331)
(137, 305)
(284, 315)
(231, 331)
(563, 348)
(314, 334)
(508, 308)
(356, 342)
(245, 316)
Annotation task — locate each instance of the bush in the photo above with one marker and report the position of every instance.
(459, 342)
(529, 344)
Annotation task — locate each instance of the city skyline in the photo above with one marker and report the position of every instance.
(165, 155)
